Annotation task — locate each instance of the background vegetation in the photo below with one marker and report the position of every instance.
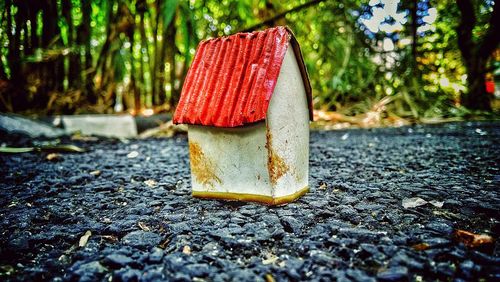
(412, 59)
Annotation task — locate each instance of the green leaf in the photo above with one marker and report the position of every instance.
(14, 150)
(47, 148)
(185, 30)
(169, 8)
(119, 66)
(62, 148)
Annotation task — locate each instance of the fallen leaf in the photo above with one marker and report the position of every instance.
(323, 186)
(413, 202)
(7, 270)
(12, 150)
(46, 148)
(345, 136)
(437, 204)
(80, 137)
(269, 277)
(473, 240)
(84, 239)
(421, 247)
(143, 226)
(164, 244)
(133, 154)
(446, 214)
(95, 172)
(150, 183)
(53, 157)
(167, 129)
(480, 132)
(61, 148)
(186, 250)
(110, 238)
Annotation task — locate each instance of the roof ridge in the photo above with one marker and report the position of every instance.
(246, 33)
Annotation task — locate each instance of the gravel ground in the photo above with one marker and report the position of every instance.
(351, 226)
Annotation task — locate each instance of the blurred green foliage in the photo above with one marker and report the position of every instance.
(104, 56)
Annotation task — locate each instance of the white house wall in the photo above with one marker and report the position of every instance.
(288, 130)
(229, 160)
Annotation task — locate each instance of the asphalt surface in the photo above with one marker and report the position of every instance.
(123, 212)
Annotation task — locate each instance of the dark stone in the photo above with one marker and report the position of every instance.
(360, 234)
(349, 213)
(156, 255)
(445, 269)
(181, 277)
(141, 239)
(174, 261)
(291, 225)
(437, 242)
(117, 260)
(127, 275)
(440, 228)
(89, 271)
(466, 269)
(181, 227)
(19, 242)
(153, 274)
(243, 275)
(359, 275)
(197, 269)
(394, 274)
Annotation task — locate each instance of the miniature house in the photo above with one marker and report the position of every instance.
(247, 102)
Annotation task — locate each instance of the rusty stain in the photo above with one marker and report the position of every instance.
(202, 167)
(296, 175)
(275, 164)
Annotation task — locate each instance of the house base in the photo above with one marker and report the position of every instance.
(268, 200)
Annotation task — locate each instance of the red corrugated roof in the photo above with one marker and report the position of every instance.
(231, 79)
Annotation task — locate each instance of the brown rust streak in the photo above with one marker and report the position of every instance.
(202, 167)
(275, 164)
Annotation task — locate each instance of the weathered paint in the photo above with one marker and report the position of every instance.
(288, 126)
(275, 164)
(202, 168)
(238, 156)
(266, 162)
(232, 79)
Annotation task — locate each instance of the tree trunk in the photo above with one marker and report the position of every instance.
(133, 84)
(3, 74)
(157, 58)
(83, 41)
(171, 50)
(144, 46)
(476, 54)
(414, 44)
(13, 57)
(477, 97)
(20, 101)
(74, 70)
(53, 70)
